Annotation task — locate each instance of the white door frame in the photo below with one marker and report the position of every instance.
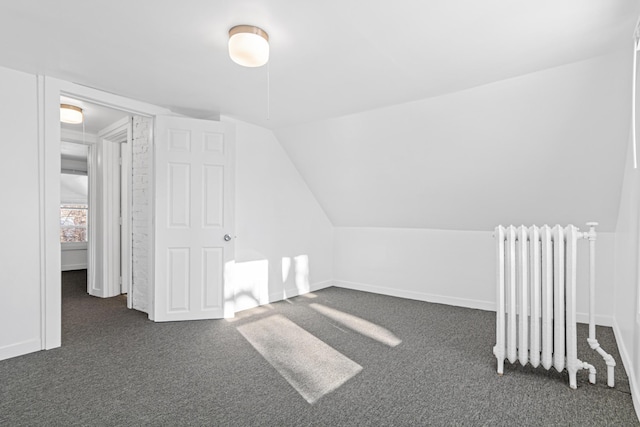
(49, 92)
(109, 163)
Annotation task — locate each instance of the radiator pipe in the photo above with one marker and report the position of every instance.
(593, 342)
(591, 368)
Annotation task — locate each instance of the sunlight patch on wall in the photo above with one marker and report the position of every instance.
(229, 287)
(286, 267)
(251, 284)
(301, 267)
(357, 324)
(312, 367)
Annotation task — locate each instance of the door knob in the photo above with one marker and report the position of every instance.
(227, 237)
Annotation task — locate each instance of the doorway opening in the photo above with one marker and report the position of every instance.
(95, 199)
(74, 206)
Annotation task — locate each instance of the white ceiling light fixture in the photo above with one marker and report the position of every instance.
(71, 114)
(248, 45)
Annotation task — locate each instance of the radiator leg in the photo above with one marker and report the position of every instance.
(500, 358)
(611, 382)
(573, 380)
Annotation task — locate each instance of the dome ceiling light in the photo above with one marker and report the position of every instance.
(71, 114)
(248, 45)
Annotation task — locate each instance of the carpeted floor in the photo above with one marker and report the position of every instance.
(402, 363)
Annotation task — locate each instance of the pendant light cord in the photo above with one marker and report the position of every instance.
(633, 100)
(636, 37)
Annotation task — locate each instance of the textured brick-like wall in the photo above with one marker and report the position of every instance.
(141, 212)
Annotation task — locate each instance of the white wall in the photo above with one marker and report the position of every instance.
(449, 267)
(626, 305)
(415, 189)
(20, 214)
(73, 256)
(278, 220)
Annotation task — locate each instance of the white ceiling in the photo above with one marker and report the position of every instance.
(96, 117)
(453, 114)
(328, 58)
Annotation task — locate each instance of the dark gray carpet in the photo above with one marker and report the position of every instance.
(117, 368)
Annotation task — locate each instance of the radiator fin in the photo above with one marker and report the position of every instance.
(535, 287)
(536, 297)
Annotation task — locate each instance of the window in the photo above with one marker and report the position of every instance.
(74, 208)
(73, 223)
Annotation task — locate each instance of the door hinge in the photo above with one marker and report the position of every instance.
(120, 220)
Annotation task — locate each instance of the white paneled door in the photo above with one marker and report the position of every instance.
(194, 227)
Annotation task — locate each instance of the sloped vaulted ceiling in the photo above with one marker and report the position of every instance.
(410, 113)
(547, 147)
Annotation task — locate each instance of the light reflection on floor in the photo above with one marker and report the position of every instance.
(358, 324)
(309, 295)
(240, 315)
(311, 366)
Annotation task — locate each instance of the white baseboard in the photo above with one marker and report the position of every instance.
(419, 296)
(18, 349)
(628, 366)
(455, 301)
(600, 319)
(321, 285)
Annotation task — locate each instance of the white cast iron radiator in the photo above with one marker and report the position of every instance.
(536, 299)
